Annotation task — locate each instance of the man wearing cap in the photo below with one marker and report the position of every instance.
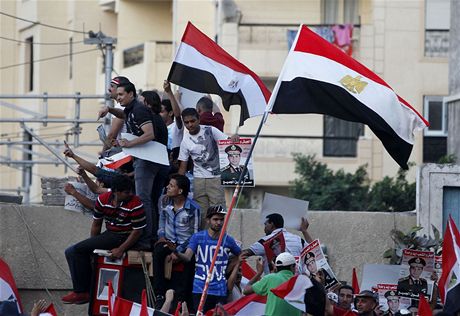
(393, 303)
(413, 283)
(285, 266)
(232, 172)
(203, 245)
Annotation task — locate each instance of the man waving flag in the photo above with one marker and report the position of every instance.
(319, 78)
(203, 66)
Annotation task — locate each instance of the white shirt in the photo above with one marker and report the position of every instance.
(294, 245)
(202, 148)
(175, 135)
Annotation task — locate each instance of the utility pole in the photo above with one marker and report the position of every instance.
(106, 44)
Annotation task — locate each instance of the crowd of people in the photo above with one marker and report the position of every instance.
(177, 212)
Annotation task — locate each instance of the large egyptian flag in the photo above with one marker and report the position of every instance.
(203, 66)
(320, 78)
(449, 282)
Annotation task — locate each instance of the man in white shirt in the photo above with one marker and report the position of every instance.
(274, 223)
(200, 144)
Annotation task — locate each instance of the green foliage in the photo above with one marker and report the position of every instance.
(448, 159)
(410, 240)
(329, 190)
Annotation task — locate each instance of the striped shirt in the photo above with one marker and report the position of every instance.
(122, 218)
(178, 226)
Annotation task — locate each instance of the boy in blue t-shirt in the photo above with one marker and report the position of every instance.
(203, 245)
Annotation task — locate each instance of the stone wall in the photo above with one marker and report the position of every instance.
(33, 240)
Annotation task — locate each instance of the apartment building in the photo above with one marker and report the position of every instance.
(405, 42)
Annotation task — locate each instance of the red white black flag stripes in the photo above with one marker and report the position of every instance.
(449, 282)
(203, 66)
(9, 295)
(319, 78)
(293, 291)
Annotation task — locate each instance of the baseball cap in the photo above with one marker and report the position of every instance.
(216, 209)
(367, 293)
(284, 259)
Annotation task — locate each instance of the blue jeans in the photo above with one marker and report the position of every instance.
(79, 257)
(146, 174)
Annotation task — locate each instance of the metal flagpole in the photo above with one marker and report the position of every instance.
(227, 217)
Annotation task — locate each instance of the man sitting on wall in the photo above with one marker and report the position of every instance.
(124, 219)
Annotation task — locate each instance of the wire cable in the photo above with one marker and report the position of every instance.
(42, 24)
(49, 58)
(38, 43)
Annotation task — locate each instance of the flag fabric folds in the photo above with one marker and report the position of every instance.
(319, 78)
(252, 304)
(449, 282)
(10, 302)
(293, 291)
(203, 66)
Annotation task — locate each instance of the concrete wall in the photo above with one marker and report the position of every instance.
(33, 240)
(432, 178)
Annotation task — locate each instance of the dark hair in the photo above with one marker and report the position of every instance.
(122, 183)
(281, 268)
(121, 80)
(129, 87)
(276, 219)
(182, 182)
(153, 100)
(167, 104)
(190, 112)
(346, 287)
(205, 103)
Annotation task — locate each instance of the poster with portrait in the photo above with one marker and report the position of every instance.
(314, 263)
(415, 274)
(274, 246)
(232, 157)
(390, 300)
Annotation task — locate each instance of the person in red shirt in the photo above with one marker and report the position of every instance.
(124, 217)
(210, 113)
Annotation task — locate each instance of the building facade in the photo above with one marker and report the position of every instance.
(405, 42)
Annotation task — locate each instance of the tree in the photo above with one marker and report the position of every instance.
(340, 190)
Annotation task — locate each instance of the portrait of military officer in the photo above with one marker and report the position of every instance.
(310, 262)
(392, 298)
(413, 283)
(234, 169)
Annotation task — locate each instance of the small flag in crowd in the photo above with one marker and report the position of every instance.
(49, 311)
(203, 66)
(424, 308)
(318, 77)
(449, 282)
(354, 282)
(293, 290)
(10, 303)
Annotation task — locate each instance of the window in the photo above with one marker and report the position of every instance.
(133, 56)
(341, 137)
(435, 136)
(29, 66)
(437, 25)
(436, 113)
(340, 11)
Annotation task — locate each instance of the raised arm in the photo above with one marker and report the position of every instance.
(304, 229)
(177, 110)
